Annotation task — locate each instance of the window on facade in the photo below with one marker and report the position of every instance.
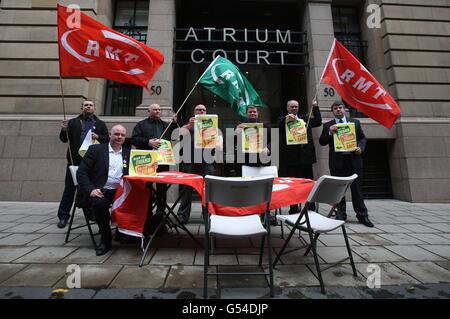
(130, 18)
(347, 30)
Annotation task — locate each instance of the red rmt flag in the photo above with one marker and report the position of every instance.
(87, 48)
(358, 87)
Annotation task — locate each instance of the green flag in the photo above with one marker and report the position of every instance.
(224, 79)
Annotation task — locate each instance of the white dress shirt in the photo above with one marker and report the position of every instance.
(115, 170)
(342, 120)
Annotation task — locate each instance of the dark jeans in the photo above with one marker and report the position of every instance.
(300, 171)
(357, 196)
(186, 199)
(101, 207)
(67, 198)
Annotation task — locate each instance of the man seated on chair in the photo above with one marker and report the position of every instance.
(99, 176)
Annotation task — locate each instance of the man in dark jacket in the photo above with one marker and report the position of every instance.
(146, 135)
(347, 163)
(99, 176)
(74, 132)
(195, 162)
(253, 159)
(297, 160)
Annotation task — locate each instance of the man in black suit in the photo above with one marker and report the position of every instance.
(74, 132)
(297, 160)
(346, 163)
(99, 176)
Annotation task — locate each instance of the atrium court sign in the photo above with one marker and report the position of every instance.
(242, 46)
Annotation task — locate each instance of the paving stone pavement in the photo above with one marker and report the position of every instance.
(409, 247)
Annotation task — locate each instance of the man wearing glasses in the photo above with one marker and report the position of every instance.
(194, 163)
(74, 131)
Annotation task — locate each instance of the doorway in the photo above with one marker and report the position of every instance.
(376, 180)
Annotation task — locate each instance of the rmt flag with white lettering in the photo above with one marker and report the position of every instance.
(358, 87)
(224, 79)
(87, 48)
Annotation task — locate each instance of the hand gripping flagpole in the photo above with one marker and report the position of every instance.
(320, 81)
(192, 90)
(64, 113)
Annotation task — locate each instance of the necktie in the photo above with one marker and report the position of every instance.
(88, 125)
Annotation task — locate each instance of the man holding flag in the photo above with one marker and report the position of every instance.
(74, 132)
(359, 88)
(146, 136)
(87, 48)
(346, 163)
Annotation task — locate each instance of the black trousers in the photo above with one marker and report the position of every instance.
(357, 196)
(101, 207)
(67, 197)
(161, 193)
(186, 199)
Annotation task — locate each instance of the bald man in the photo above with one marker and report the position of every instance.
(99, 176)
(146, 135)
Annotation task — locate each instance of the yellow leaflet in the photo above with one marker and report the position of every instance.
(165, 151)
(252, 137)
(143, 163)
(345, 138)
(296, 132)
(206, 130)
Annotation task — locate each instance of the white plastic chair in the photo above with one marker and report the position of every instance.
(328, 190)
(252, 171)
(238, 192)
(73, 171)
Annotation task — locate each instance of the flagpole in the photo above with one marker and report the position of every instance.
(321, 77)
(64, 113)
(192, 90)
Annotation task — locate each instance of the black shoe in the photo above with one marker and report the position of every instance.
(365, 221)
(341, 216)
(102, 249)
(62, 223)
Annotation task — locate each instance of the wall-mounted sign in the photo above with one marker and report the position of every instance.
(242, 46)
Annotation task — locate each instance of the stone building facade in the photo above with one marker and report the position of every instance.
(408, 52)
